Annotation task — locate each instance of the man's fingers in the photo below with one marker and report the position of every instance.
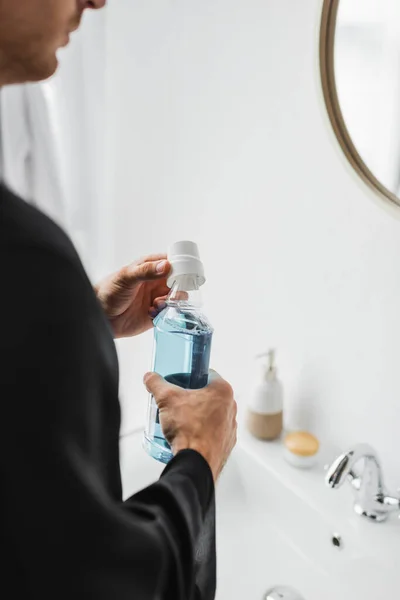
(158, 387)
(181, 296)
(158, 305)
(154, 382)
(151, 258)
(147, 271)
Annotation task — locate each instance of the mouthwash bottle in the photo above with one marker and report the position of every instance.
(182, 339)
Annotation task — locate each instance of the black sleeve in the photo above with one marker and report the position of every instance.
(63, 519)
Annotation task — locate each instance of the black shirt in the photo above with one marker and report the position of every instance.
(65, 531)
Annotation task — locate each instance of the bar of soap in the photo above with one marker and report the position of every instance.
(301, 449)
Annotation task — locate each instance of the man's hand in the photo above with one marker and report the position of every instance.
(203, 420)
(133, 296)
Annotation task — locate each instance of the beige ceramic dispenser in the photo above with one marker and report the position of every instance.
(265, 413)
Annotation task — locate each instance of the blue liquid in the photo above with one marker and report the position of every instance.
(182, 356)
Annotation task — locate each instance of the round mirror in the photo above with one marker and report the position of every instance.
(360, 69)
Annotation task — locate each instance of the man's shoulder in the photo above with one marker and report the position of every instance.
(24, 226)
(37, 255)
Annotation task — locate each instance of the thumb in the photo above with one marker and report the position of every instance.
(214, 377)
(158, 387)
(218, 383)
(146, 271)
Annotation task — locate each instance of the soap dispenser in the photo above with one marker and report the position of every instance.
(265, 413)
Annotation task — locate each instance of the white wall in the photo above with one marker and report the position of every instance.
(218, 134)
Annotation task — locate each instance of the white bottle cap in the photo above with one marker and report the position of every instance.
(185, 260)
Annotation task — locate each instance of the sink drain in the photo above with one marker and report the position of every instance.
(337, 540)
(281, 592)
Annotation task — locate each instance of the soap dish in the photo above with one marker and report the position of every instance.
(301, 449)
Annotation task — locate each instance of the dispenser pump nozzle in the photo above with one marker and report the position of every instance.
(271, 359)
(271, 370)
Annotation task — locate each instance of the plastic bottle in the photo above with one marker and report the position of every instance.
(182, 339)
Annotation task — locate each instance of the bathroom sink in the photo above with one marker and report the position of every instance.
(279, 526)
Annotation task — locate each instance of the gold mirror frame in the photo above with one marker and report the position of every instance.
(327, 68)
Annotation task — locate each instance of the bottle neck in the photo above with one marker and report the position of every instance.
(270, 374)
(185, 292)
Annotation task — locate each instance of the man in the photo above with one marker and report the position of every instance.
(65, 531)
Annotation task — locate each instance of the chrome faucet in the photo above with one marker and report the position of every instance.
(372, 500)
